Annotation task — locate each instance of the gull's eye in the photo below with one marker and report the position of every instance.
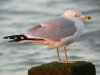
(76, 16)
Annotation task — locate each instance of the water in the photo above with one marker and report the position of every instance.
(18, 15)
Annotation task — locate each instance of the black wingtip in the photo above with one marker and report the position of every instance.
(6, 37)
(17, 38)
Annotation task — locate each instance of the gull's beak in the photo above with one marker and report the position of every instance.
(85, 18)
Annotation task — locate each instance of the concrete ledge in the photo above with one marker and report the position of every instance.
(54, 68)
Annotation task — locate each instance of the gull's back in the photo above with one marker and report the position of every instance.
(54, 29)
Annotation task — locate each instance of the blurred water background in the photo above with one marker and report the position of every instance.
(18, 15)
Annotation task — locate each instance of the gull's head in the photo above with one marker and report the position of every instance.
(77, 14)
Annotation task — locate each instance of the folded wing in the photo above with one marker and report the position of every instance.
(54, 29)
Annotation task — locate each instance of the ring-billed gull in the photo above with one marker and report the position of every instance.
(56, 32)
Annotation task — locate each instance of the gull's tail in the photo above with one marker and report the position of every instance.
(21, 37)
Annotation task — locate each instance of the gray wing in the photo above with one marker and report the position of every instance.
(54, 29)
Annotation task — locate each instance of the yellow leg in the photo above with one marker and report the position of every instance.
(57, 51)
(67, 61)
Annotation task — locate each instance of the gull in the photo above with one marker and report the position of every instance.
(56, 32)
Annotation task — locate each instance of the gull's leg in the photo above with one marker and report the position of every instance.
(67, 61)
(57, 51)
